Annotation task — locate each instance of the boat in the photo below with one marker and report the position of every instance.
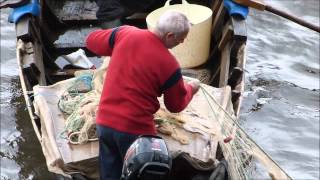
(47, 30)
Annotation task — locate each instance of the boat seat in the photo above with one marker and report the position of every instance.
(80, 18)
(69, 12)
(75, 10)
(73, 38)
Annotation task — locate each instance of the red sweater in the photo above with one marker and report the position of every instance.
(140, 70)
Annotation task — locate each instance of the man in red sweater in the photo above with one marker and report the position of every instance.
(140, 70)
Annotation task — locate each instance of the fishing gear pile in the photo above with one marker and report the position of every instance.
(79, 104)
(210, 114)
(245, 158)
(208, 120)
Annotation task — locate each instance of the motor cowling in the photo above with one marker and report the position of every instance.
(147, 158)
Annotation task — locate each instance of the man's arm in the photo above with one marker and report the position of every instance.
(177, 97)
(98, 42)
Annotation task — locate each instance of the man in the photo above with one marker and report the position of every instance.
(140, 70)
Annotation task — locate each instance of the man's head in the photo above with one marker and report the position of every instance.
(172, 27)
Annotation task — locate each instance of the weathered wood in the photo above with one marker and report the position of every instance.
(216, 72)
(235, 98)
(23, 28)
(225, 64)
(235, 95)
(33, 73)
(33, 64)
(224, 46)
(239, 40)
(235, 77)
(227, 35)
(218, 20)
(73, 38)
(241, 61)
(215, 7)
(239, 28)
(257, 4)
(26, 89)
(216, 30)
(74, 10)
(241, 56)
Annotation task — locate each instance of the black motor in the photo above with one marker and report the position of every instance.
(147, 158)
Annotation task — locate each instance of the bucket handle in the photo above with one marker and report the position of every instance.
(168, 3)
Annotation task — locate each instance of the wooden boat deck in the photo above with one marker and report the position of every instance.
(76, 10)
(73, 38)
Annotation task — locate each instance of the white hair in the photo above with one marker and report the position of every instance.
(173, 21)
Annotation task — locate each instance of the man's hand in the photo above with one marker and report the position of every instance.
(195, 84)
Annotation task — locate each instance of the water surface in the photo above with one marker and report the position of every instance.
(281, 104)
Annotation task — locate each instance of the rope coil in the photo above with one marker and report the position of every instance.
(79, 103)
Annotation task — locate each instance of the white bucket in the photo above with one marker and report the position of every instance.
(194, 51)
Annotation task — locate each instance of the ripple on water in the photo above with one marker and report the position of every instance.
(287, 126)
(277, 41)
(9, 69)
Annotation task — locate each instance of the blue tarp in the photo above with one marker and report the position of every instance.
(32, 8)
(235, 9)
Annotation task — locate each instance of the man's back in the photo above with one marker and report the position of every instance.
(139, 67)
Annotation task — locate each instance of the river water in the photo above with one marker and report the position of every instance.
(280, 110)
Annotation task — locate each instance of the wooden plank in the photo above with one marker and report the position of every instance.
(215, 7)
(256, 4)
(73, 38)
(236, 100)
(23, 28)
(239, 28)
(38, 47)
(74, 10)
(239, 37)
(33, 64)
(217, 19)
(226, 36)
(235, 77)
(25, 88)
(235, 95)
(33, 74)
(241, 57)
(225, 63)
(239, 41)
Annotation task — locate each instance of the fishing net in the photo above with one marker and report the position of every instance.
(202, 74)
(79, 104)
(80, 125)
(242, 153)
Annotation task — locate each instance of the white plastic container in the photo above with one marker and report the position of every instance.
(79, 59)
(194, 51)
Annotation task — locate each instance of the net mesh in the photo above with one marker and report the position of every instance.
(244, 156)
(79, 104)
(242, 153)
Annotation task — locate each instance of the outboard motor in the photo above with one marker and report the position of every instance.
(147, 158)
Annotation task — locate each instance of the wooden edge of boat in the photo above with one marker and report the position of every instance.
(228, 35)
(26, 93)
